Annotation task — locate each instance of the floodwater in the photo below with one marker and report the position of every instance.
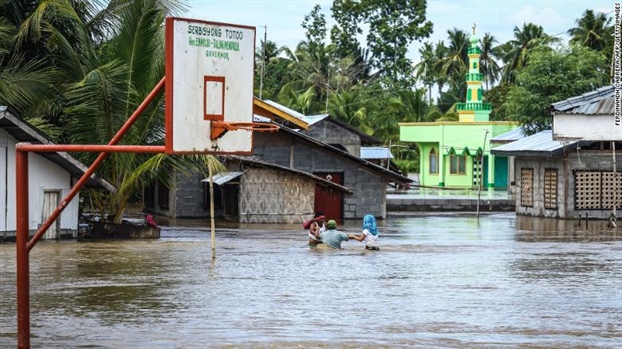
(439, 281)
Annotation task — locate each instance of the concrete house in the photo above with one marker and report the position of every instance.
(51, 176)
(254, 191)
(291, 148)
(569, 171)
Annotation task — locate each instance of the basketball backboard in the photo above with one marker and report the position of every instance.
(209, 78)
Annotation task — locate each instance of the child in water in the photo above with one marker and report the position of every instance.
(370, 233)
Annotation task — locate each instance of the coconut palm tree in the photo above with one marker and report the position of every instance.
(456, 60)
(309, 68)
(424, 70)
(410, 105)
(349, 107)
(106, 60)
(489, 66)
(440, 53)
(515, 53)
(593, 31)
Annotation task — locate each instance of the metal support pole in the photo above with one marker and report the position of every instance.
(481, 172)
(21, 241)
(211, 211)
(95, 165)
(23, 245)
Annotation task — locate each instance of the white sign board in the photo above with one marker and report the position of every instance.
(209, 77)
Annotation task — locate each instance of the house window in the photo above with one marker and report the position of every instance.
(550, 188)
(468, 95)
(588, 190)
(457, 164)
(433, 162)
(474, 65)
(526, 191)
(162, 195)
(594, 190)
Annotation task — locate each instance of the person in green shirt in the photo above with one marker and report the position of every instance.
(333, 237)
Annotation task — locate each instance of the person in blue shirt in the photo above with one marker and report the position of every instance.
(333, 237)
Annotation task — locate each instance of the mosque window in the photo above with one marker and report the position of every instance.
(457, 164)
(433, 162)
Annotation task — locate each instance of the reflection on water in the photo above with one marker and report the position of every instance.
(444, 281)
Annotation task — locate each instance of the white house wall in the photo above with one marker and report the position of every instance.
(43, 175)
(573, 126)
(3, 182)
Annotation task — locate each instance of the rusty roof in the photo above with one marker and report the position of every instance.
(597, 102)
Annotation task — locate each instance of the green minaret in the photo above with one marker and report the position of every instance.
(474, 109)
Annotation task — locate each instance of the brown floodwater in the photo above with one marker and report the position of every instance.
(439, 281)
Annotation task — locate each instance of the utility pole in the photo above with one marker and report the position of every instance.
(481, 172)
(263, 60)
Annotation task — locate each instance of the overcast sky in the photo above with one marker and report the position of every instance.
(283, 17)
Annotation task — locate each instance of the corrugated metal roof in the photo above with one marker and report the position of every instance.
(310, 119)
(600, 101)
(223, 177)
(538, 144)
(24, 132)
(374, 153)
(322, 181)
(510, 136)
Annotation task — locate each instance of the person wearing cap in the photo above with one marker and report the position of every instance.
(333, 237)
(316, 226)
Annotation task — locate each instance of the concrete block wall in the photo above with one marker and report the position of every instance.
(576, 160)
(332, 133)
(449, 205)
(189, 197)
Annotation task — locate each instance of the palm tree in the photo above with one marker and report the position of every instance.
(349, 107)
(410, 105)
(457, 60)
(516, 51)
(267, 51)
(103, 73)
(490, 67)
(593, 31)
(310, 68)
(440, 53)
(424, 70)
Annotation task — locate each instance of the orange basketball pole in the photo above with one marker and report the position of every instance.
(23, 246)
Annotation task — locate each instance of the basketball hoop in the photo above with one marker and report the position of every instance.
(219, 128)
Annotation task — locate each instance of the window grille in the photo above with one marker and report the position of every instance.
(550, 188)
(526, 180)
(594, 190)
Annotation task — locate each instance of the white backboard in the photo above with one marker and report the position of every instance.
(209, 77)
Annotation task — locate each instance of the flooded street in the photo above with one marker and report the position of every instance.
(439, 281)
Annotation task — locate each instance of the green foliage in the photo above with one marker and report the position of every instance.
(497, 96)
(408, 166)
(593, 31)
(552, 76)
(393, 26)
(516, 52)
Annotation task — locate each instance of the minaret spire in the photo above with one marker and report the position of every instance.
(474, 109)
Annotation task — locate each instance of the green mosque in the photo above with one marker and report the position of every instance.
(456, 154)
